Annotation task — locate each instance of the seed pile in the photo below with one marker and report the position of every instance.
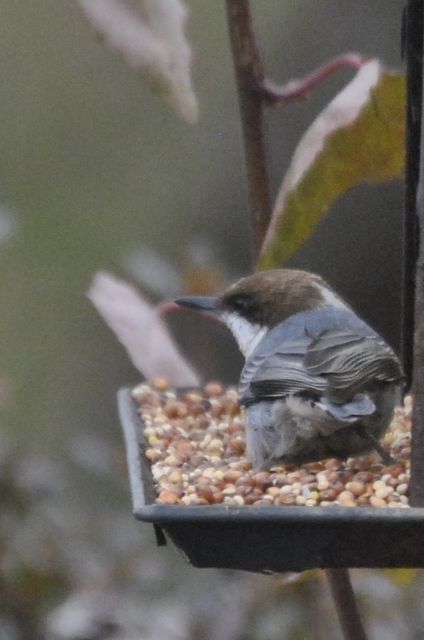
(197, 454)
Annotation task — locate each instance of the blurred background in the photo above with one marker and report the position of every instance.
(97, 173)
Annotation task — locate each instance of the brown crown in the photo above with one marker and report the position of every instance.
(268, 297)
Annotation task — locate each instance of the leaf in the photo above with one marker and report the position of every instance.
(358, 137)
(401, 577)
(149, 35)
(153, 272)
(139, 328)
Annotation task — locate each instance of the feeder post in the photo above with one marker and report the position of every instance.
(414, 241)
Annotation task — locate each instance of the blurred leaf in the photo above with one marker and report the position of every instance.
(401, 577)
(153, 271)
(203, 272)
(36, 587)
(200, 281)
(149, 35)
(358, 137)
(85, 615)
(139, 328)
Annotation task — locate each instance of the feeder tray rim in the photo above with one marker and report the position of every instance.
(161, 514)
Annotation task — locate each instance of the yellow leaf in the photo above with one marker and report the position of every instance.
(401, 577)
(358, 137)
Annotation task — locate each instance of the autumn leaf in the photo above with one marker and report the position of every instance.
(139, 327)
(358, 137)
(149, 35)
(401, 577)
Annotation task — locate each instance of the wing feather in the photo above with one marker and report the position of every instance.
(351, 363)
(335, 364)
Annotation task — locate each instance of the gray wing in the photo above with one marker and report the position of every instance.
(351, 363)
(280, 371)
(335, 364)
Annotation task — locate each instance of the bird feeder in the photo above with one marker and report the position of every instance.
(285, 538)
(270, 538)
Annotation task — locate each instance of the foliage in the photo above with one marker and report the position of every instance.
(358, 137)
(140, 329)
(149, 35)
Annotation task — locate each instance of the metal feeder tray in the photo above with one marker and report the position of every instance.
(275, 538)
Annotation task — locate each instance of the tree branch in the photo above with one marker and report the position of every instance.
(344, 599)
(249, 75)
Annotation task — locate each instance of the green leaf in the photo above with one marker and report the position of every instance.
(358, 137)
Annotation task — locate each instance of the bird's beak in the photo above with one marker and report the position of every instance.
(199, 303)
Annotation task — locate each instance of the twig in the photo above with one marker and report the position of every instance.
(249, 75)
(278, 96)
(344, 599)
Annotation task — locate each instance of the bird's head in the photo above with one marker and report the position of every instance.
(253, 305)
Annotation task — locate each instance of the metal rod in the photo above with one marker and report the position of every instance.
(416, 485)
(414, 262)
(249, 75)
(344, 599)
(412, 46)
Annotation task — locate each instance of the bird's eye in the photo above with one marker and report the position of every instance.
(241, 303)
(246, 306)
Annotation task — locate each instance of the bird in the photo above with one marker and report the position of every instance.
(318, 382)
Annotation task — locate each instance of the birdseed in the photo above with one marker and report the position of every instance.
(196, 447)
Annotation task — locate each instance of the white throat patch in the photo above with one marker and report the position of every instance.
(248, 335)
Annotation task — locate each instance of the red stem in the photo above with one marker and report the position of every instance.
(276, 96)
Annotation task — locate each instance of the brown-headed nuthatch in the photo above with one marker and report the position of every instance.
(318, 382)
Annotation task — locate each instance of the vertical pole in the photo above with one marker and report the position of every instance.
(412, 48)
(414, 245)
